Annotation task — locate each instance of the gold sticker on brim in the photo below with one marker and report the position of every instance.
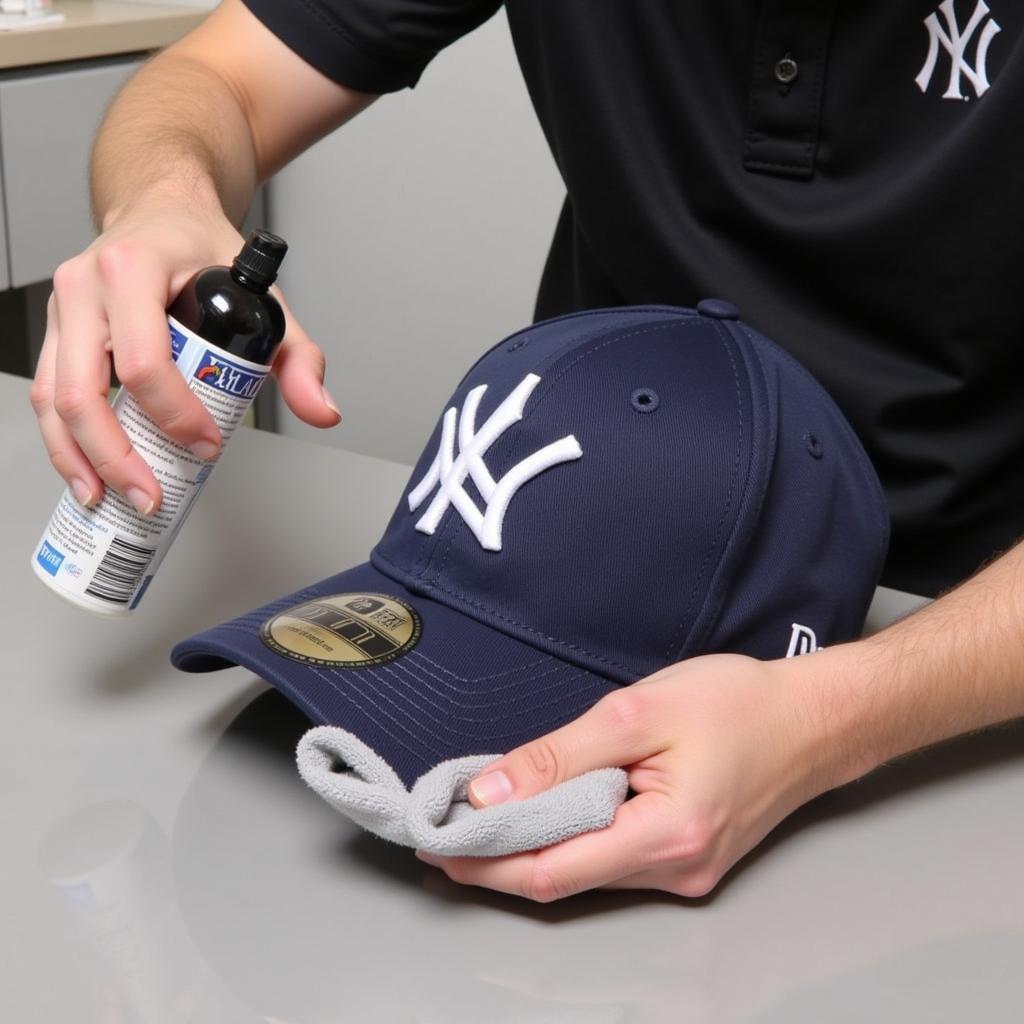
(344, 630)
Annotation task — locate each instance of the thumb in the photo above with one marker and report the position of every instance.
(299, 368)
(619, 730)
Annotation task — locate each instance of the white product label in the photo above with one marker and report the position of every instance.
(106, 556)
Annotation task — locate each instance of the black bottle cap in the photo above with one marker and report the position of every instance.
(261, 257)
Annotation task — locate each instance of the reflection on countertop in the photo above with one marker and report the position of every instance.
(267, 903)
(109, 864)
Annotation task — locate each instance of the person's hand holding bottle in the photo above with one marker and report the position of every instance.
(107, 312)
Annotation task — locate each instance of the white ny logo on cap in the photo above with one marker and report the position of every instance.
(448, 471)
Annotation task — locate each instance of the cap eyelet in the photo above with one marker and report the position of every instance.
(645, 400)
(516, 345)
(813, 445)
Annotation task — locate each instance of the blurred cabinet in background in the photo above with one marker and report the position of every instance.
(48, 120)
(5, 276)
(55, 84)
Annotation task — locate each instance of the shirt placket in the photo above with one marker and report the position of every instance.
(786, 87)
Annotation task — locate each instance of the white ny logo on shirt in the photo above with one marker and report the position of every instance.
(955, 42)
(448, 471)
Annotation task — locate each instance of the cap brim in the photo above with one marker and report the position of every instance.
(464, 688)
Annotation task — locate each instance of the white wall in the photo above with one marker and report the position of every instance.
(418, 234)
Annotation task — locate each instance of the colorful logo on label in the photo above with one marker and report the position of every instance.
(224, 375)
(49, 558)
(72, 569)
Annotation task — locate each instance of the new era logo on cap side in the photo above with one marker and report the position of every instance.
(448, 471)
(803, 640)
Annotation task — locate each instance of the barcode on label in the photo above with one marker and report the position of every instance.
(119, 573)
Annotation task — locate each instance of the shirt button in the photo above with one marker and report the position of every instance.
(786, 70)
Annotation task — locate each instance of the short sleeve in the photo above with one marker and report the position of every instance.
(372, 46)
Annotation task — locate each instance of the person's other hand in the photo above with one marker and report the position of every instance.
(108, 306)
(719, 749)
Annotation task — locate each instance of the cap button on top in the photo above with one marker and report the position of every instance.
(718, 309)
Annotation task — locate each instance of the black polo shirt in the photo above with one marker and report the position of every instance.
(848, 174)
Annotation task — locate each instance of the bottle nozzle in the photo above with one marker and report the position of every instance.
(261, 257)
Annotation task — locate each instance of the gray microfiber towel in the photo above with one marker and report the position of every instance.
(435, 814)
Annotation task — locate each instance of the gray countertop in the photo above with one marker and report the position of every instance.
(98, 28)
(162, 862)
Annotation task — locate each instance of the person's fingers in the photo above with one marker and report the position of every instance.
(81, 384)
(134, 294)
(618, 730)
(299, 368)
(640, 838)
(67, 458)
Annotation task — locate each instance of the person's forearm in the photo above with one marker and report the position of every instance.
(175, 130)
(953, 667)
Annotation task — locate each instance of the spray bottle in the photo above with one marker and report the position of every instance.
(225, 328)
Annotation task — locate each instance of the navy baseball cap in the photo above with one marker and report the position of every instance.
(606, 493)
